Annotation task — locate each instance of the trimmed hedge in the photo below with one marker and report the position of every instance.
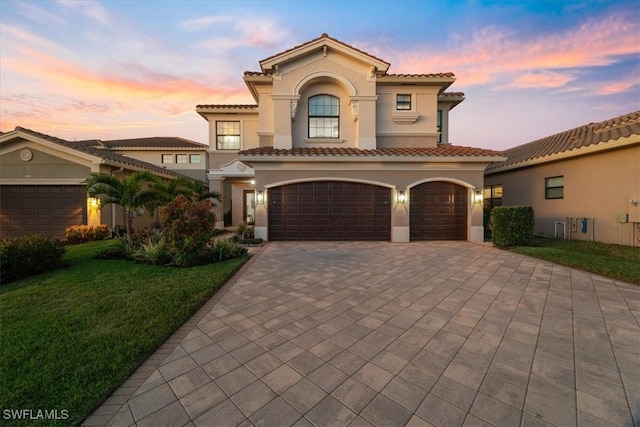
(512, 226)
(86, 233)
(28, 256)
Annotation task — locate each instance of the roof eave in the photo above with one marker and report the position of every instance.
(204, 111)
(369, 159)
(576, 152)
(290, 55)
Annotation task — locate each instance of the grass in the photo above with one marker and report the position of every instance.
(614, 261)
(70, 337)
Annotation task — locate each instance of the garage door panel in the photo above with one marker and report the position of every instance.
(337, 211)
(438, 211)
(46, 209)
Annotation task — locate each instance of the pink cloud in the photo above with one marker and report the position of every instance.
(495, 56)
(541, 79)
(617, 87)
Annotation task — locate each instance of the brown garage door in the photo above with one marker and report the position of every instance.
(438, 211)
(329, 210)
(47, 209)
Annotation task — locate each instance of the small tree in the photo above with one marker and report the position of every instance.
(132, 192)
(189, 228)
(182, 185)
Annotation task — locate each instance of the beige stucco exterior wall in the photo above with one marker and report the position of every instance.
(599, 186)
(43, 166)
(393, 131)
(154, 156)
(249, 126)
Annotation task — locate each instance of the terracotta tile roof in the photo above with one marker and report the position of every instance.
(451, 94)
(229, 106)
(443, 75)
(324, 36)
(608, 131)
(256, 73)
(154, 142)
(91, 147)
(443, 150)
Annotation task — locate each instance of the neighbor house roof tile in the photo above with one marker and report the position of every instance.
(154, 142)
(92, 147)
(440, 151)
(583, 136)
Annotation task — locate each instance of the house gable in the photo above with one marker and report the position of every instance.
(335, 141)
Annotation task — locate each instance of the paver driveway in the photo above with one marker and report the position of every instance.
(388, 334)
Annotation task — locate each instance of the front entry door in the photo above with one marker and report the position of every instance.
(249, 206)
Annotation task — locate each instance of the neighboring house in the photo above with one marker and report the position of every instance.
(41, 183)
(177, 154)
(336, 148)
(583, 183)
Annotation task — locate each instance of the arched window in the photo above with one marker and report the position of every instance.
(324, 116)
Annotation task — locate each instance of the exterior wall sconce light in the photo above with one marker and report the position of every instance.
(401, 196)
(253, 182)
(94, 202)
(477, 197)
(260, 196)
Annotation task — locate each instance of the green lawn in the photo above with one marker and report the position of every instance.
(615, 261)
(70, 337)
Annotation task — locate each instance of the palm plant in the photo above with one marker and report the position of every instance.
(197, 191)
(188, 187)
(132, 192)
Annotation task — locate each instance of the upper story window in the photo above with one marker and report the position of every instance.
(194, 158)
(228, 135)
(403, 102)
(554, 187)
(181, 158)
(439, 125)
(167, 158)
(324, 116)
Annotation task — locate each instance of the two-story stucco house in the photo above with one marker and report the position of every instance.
(337, 148)
(179, 155)
(42, 183)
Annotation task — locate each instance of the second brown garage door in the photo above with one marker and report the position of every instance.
(438, 211)
(45, 209)
(329, 210)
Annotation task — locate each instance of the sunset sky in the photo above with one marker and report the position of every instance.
(125, 69)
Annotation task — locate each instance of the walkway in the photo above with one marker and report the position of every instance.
(388, 334)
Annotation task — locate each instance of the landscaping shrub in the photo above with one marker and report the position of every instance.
(86, 233)
(224, 249)
(28, 256)
(153, 249)
(245, 231)
(189, 229)
(512, 226)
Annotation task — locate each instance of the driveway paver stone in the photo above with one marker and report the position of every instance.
(392, 334)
